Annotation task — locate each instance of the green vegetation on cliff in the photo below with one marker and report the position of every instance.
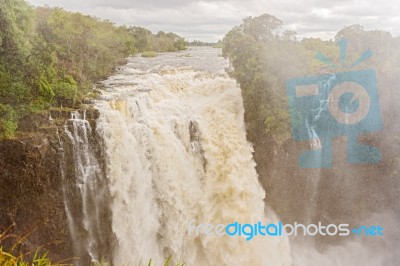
(49, 56)
(263, 57)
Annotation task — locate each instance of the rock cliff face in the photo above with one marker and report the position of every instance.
(31, 188)
(31, 185)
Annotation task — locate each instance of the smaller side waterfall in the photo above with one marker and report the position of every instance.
(85, 192)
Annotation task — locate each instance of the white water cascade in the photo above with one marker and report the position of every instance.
(175, 151)
(86, 199)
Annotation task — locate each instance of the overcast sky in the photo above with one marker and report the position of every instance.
(209, 20)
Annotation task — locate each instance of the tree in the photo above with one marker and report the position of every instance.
(141, 36)
(262, 28)
(15, 32)
(16, 19)
(262, 60)
(49, 56)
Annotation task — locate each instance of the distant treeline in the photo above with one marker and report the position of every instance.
(49, 56)
(200, 43)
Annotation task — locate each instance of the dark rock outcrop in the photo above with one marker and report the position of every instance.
(31, 199)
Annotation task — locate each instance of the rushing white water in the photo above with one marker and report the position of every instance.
(175, 151)
(86, 221)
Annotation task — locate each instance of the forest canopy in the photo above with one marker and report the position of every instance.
(52, 57)
(263, 57)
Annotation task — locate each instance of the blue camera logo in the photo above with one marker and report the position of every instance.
(339, 104)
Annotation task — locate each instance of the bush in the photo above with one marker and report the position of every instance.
(52, 57)
(8, 121)
(149, 54)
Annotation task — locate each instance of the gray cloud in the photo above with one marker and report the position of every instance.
(209, 20)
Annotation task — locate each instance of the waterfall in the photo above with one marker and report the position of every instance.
(174, 150)
(87, 194)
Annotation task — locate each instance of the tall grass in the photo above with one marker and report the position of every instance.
(11, 257)
(166, 263)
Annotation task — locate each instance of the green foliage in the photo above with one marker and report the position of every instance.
(49, 56)
(263, 58)
(45, 89)
(41, 259)
(13, 257)
(141, 36)
(180, 44)
(166, 263)
(166, 42)
(8, 121)
(66, 88)
(149, 54)
(262, 28)
(15, 29)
